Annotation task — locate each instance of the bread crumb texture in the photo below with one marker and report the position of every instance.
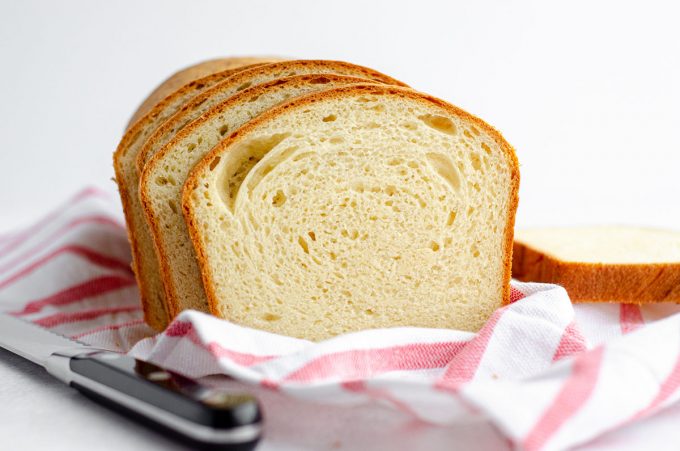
(352, 212)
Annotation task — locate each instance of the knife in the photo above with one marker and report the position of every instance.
(205, 417)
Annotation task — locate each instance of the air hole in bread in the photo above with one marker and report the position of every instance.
(241, 160)
(214, 163)
(451, 218)
(273, 160)
(279, 199)
(300, 156)
(329, 118)
(303, 244)
(443, 166)
(486, 148)
(173, 206)
(224, 129)
(467, 133)
(434, 246)
(191, 147)
(244, 86)
(271, 317)
(440, 123)
(312, 235)
(160, 181)
(319, 81)
(476, 161)
(253, 99)
(395, 162)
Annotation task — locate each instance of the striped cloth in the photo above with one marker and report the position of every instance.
(546, 374)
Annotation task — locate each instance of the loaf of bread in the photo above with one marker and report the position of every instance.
(602, 264)
(355, 207)
(144, 262)
(164, 176)
(312, 197)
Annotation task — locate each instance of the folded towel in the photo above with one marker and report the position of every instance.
(545, 373)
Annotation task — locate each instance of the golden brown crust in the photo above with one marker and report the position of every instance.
(154, 307)
(191, 73)
(368, 89)
(245, 75)
(599, 282)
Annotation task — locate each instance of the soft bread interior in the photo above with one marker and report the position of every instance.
(164, 176)
(611, 245)
(352, 209)
(145, 265)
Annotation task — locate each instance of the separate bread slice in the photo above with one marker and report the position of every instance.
(164, 175)
(144, 261)
(243, 80)
(357, 207)
(191, 73)
(602, 264)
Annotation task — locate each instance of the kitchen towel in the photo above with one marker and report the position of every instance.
(547, 374)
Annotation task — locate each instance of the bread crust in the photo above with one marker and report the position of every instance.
(367, 89)
(599, 282)
(191, 73)
(171, 296)
(155, 313)
(244, 76)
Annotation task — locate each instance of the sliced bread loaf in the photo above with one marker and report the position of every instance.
(602, 264)
(356, 207)
(164, 176)
(144, 260)
(243, 80)
(191, 73)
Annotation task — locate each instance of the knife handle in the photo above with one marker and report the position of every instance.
(203, 416)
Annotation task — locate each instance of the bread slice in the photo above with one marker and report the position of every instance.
(243, 80)
(191, 73)
(367, 206)
(164, 176)
(143, 257)
(220, 92)
(602, 264)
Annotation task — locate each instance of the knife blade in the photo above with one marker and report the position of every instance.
(203, 416)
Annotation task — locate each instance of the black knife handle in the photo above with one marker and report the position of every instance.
(204, 416)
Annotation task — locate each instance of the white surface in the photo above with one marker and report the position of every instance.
(587, 92)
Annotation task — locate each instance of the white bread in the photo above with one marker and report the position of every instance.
(367, 206)
(192, 109)
(601, 264)
(243, 80)
(144, 262)
(165, 173)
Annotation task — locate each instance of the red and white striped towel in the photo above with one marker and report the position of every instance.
(546, 374)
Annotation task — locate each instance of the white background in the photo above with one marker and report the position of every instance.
(587, 92)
